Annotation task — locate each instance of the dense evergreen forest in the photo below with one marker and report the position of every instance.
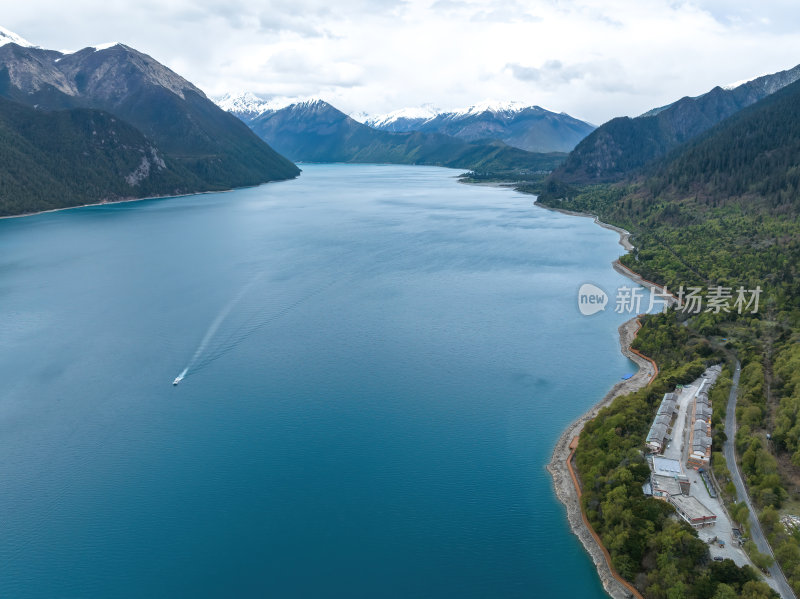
(69, 157)
(623, 145)
(719, 211)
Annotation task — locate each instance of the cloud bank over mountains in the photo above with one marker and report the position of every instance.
(592, 59)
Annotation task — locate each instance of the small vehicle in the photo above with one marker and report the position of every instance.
(718, 558)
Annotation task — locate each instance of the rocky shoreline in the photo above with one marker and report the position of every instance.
(562, 481)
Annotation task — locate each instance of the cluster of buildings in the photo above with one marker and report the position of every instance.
(669, 483)
(668, 480)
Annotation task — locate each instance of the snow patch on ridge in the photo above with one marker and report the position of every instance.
(95, 48)
(106, 46)
(9, 37)
(424, 112)
(741, 82)
(495, 106)
(249, 104)
(427, 112)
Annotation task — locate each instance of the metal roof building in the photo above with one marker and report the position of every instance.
(666, 466)
(656, 438)
(695, 513)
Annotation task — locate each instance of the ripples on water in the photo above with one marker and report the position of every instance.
(384, 360)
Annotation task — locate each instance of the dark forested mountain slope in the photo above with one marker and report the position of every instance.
(623, 145)
(722, 208)
(78, 156)
(216, 148)
(753, 155)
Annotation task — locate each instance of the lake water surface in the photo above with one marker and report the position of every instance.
(380, 360)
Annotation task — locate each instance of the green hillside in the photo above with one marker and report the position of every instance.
(721, 210)
(66, 158)
(208, 148)
(620, 147)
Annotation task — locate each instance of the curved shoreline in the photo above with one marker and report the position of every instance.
(128, 200)
(559, 469)
(559, 466)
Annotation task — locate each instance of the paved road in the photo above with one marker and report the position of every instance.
(741, 492)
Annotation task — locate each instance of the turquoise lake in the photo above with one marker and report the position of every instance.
(380, 361)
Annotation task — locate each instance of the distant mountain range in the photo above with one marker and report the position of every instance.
(518, 125)
(623, 145)
(526, 127)
(184, 142)
(128, 127)
(315, 131)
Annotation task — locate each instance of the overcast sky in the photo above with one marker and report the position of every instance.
(592, 59)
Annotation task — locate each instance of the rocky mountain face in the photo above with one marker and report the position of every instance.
(526, 127)
(624, 145)
(215, 148)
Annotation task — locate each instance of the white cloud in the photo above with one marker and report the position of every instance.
(594, 59)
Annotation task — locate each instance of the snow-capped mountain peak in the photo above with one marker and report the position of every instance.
(308, 103)
(495, 106)
(248, 104)
(95, 48)
(243, 103)
(518, 124)
(106, 46)
(9, 37)
(423, 112)
(428, 112)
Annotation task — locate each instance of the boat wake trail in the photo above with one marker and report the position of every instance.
(219, 340)
(257, 320)
(213, 328)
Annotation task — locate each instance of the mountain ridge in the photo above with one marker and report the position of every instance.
(63, 158)
(316, 131)
(528, 127)
(217, 148)
(623, 145)
(124, 126)
(516, 124)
